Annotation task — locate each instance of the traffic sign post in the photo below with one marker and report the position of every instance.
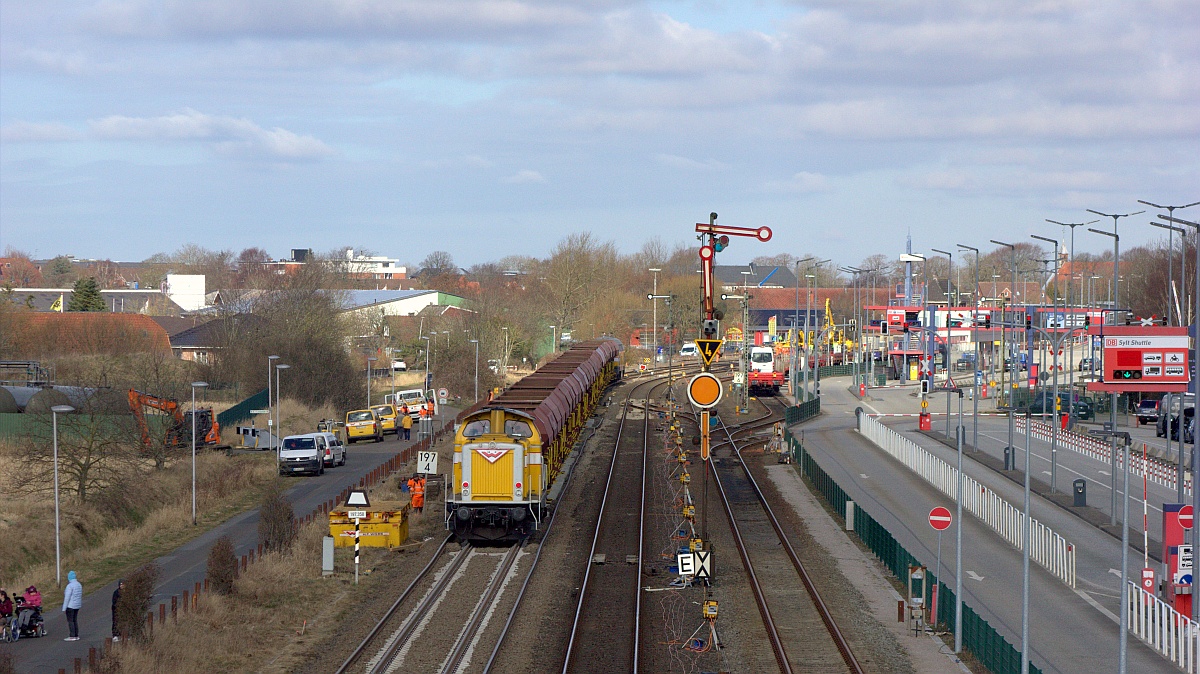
(704, 390)
(708, 348)
(705, 436)
(940, 519)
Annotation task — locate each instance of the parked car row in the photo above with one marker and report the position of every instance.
(311, 453)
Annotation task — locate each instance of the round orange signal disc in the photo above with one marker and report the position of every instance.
(704, 390)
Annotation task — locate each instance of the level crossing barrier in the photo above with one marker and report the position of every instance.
(1047, 548)
(1173, 635)
(979, 637)
(1156, 470)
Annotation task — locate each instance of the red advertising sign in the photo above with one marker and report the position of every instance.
(1143, 358)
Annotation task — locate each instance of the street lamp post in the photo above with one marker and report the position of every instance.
(978, 374)
(1012, 292)
(505, 329)
(1196, 359)
(279, 407)
(270, 424)
(1116, 300)
(654, 295)
(795, 332)
(1178, 464)
(476, 343)
(428, 350)
(371, 366)
(1055, 425)
(55, 411)
(1170, 255)
(958, 573)
(195, 385)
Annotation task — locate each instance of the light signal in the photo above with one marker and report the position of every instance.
(720, 243)
(1127, 374)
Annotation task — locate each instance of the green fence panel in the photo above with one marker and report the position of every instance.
(805, 410)
(18, 427)
(984, 642)
(241, 411)
(835, 371)
(881, 379)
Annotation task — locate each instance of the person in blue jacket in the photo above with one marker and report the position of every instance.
(72, 602)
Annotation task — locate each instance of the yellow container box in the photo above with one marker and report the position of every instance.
(385, 526)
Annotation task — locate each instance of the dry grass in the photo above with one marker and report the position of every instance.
(281, 611)
(113, 533)
(295, 417)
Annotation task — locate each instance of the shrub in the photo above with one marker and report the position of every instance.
(276, 521)
(135, 602)
(222, 566)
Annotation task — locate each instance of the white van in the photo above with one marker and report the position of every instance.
(414, 398)
(689, 350)
(335, 451)
(301, 454)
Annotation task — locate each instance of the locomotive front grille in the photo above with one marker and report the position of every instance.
(492, 474)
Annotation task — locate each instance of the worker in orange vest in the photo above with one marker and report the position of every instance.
(416, 487)
(429, 407)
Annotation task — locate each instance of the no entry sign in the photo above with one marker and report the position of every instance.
(1186, 517)
(940, 518)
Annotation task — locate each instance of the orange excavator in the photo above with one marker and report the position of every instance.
(208, 431)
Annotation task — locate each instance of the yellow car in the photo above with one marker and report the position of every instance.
(363, 424)
(387, 417)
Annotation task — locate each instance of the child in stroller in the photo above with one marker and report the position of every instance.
(27, 620)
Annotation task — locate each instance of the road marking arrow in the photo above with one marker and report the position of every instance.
(1104, 472)
(863, 475)
(1115, 572)
(974, 576)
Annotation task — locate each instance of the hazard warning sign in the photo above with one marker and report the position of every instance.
(708, 349)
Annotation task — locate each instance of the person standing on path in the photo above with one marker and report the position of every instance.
(406, 424)
(72, 602)
(117, 598)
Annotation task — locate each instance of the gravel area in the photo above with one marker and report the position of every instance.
(537, 639)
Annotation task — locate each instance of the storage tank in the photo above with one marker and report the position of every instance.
(43, 400)
(8, 404)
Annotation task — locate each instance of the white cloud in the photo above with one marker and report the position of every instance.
(524, 177)
(801, 183)
(229, 135)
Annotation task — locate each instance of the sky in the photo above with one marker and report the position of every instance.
(488, 128)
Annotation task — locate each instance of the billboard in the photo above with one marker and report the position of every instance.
(1143, 358)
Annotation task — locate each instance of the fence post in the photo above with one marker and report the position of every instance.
(92, 658)
(162, 613)
(175, 608)
(78, 665)
(186, 599)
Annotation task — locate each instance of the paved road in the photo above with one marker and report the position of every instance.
(1072, 630)
(185, 566)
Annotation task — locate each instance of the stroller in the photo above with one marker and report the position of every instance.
(27, 621)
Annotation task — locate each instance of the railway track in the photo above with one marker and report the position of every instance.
(610, 600)
(772, 568)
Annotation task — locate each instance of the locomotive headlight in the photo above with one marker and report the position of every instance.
(466, 487)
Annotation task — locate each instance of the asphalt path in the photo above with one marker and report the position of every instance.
(184, 566)
(1072, 630)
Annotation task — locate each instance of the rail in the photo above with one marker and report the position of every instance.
(600, 527)
(1048, 549)
(391, 611)
(463, 643)
(826, 616)
(1173, 635)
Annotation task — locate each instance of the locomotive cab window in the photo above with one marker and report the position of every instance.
(517, 429)
(477, 428)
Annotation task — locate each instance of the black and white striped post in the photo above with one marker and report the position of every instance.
(356, 520)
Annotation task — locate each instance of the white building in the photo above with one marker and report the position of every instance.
(377, 267)
(186, 290)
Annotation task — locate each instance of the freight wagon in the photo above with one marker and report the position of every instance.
(508, 453)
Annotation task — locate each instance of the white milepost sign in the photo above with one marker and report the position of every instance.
(357, 514)
(427, 462)
(687, 563)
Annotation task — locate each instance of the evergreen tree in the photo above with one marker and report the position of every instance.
(85, 296)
